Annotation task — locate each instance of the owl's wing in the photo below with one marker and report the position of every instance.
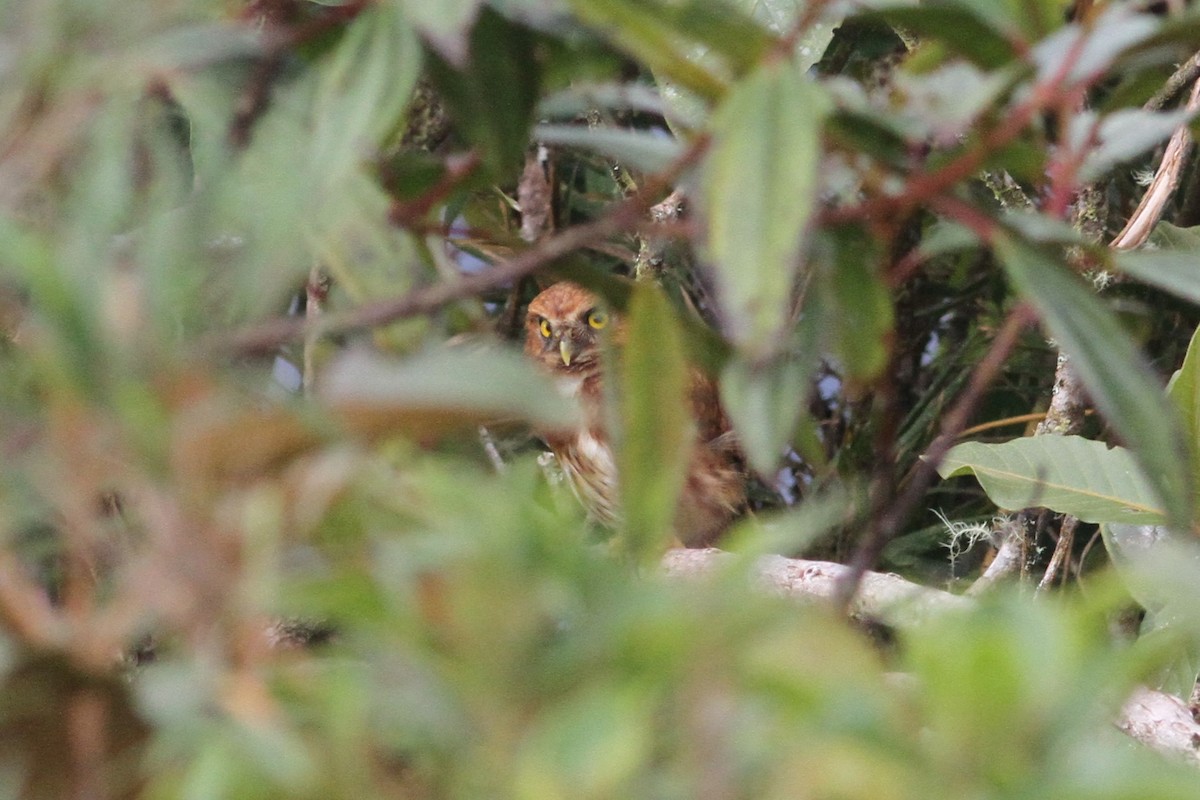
(711, 422)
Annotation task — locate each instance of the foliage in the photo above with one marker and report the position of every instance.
(272, 523)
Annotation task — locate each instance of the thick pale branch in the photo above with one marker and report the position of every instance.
(1155, 719)
(886, 598)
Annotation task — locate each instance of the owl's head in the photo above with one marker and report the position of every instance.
(563, 328)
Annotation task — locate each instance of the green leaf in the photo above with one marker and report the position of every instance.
(1084, 51)
(1184, 393)
(765, 401)
(445, 24)
(1016, 17)
(441, 389)
(578, 100)
(362, 90)
(589, 746)
(697, 44)
(1158, 569)
(640, 150)
(1122, 136)
(1173, 271)
(872, 133)
(1120, 382)
(656, 433)
(967, 33)
(857, 305)
(649, 31)
(760, 181)
(718, 26)
(492, 99)
(943, 103)
(1067, 474)
(795, 529)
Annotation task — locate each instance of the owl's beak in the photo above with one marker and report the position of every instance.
(567, 349)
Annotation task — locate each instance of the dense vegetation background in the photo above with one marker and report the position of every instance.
(273, 523)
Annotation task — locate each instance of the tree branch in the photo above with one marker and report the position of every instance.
(1160, 721)
(266, 337)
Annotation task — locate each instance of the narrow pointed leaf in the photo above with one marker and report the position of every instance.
(766, 400)
(640, 150)
(1117, 377)
(494, 97)
(363, 89)
(959, 29)
(858, 305)
(656, 433)
(1067, 474)
(1184, 392)
(759, 187)
(650, 32)
(445, 24)
(443, 389)
(1173, 271)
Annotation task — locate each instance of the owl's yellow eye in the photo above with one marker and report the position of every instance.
(597, 318)
(544, 327)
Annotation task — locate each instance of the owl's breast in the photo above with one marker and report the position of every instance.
(591, 471)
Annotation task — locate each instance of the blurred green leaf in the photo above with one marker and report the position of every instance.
(588, 746)
(671, 38)
(647, 32)
(780, 17)
(965, 31)
(1172, 270)
(1067, 474)
(656, 436)
(646, 151)
(1122, 136)
(1034, 20)
(766, 400)
(363, 89)
(795, 530)
(442, 389)
(1081, 52)
(578, 100)
(1183, 391)
(855, 304)
(446, 25)
(759, 186)
(1117, 377)
(1010, 694)
(492, 99)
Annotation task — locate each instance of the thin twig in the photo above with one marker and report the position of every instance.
(885, 526)
(1186, 74)
(265, 337)
(925, 187)
(411, 214)
(1062, 552)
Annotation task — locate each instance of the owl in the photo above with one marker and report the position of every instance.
(564, 329)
